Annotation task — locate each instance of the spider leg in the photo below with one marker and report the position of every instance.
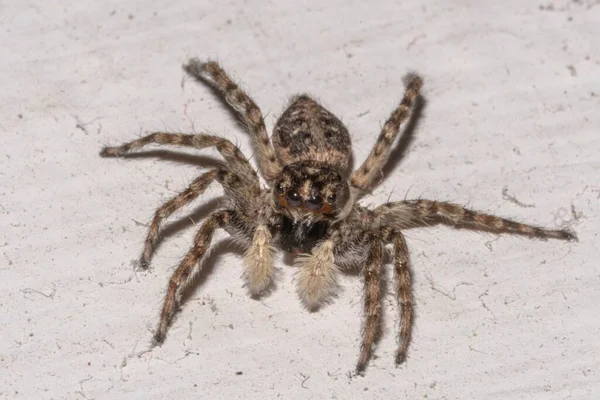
(404, 291)
(372, 305)
(231, 153)
(411, 213)
(241, 102)
(189, 268)
(196, 188)
(317, 276)
(367, 175)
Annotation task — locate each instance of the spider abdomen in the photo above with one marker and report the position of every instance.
(306, 131)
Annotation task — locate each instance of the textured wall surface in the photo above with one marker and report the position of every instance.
(511, 126)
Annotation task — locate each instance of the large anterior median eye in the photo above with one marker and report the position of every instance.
(314, 202)
(293, 199)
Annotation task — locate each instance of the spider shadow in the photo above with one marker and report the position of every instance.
(406, 138)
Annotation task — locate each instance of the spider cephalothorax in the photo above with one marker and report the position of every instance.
(310, 191)
(306, 131)
(309, 195)
(310, 206)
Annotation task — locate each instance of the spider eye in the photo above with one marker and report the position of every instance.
(293, 198)
(314, 203)
(331, 198)
(279, 188)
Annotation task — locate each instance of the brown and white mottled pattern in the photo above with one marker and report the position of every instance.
(309, 208)
(308, 132)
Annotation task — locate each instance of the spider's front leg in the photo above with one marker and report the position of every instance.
(189, 268)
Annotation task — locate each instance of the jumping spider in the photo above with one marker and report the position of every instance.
(310, 207)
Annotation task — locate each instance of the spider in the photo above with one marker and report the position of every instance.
(310, 207)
